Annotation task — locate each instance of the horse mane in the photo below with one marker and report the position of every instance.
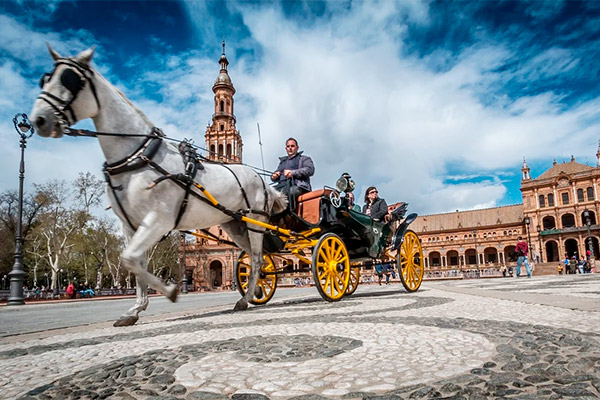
(137, 110)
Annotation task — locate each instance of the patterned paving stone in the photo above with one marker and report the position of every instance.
(382, 343)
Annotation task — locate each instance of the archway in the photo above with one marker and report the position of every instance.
(216, 274)
(549, 223)
(571, 248)
(552, 251)
(435, 259)
(471, 257)
(509, 253)
(490, 255)
(452, 257)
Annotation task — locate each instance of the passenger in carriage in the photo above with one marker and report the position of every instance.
(294, 171)
(375, 206)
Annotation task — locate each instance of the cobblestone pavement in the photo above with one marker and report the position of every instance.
(507, 338)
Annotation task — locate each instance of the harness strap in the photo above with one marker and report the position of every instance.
(239, 184)
(114, 191)
(140, 157)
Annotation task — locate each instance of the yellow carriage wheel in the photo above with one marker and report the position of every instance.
(267, 283)
(353, 281)
(410, 262)
(331, 267)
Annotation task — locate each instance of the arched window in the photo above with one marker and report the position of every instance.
(567, 220)
(220, 149)
(565, 198)
(542, 201)
(221, 127)
(590, 193)
(549, 223)
(580, 197)
(551, 200)
(228, 149)
(221, 106)
(212, 149)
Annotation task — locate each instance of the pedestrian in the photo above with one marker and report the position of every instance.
(522, 250)
(560, 268)
(71, 290)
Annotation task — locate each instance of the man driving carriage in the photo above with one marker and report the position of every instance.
(294, 171)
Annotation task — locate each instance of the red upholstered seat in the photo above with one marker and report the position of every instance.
(309, 205)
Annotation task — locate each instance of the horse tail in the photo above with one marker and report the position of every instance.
(280, 202)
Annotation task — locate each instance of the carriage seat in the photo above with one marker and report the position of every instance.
(308, 207)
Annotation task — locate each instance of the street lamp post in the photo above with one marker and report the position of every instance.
(17, 275)
(476, 253)
(527, 221)
(184, 282)
(539, 231)
(588, 222)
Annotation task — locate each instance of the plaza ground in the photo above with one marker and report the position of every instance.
(535, 338)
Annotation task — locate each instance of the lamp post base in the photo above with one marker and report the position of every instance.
(16, 286)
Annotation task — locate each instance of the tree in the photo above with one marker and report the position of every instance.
(89, 190)
(163, 258)
(57, 225)
(9, 207)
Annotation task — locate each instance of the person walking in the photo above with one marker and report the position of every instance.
(522, 250)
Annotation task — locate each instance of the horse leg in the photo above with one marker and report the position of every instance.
(238, 231)
(133, 255)
(256, 253)
(131, 316)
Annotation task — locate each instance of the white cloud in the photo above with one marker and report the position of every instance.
(344, 89)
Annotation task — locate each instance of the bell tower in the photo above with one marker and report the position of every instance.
(222, 138)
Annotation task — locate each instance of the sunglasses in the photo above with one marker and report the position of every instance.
(373, 191)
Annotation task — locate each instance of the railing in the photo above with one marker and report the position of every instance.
(224, 114)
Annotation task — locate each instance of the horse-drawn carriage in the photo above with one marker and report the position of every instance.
(153, 192)
(341, 242)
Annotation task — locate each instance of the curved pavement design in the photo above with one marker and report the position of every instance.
(507, 338)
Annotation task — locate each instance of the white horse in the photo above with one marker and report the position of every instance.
(135, 159)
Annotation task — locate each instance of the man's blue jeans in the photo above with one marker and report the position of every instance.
(520, 261)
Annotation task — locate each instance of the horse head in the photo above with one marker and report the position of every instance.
(68, 94)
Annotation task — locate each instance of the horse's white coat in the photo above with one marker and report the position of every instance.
(154, 211)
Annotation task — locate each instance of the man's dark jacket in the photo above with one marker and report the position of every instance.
(379, 209)
(302, 168)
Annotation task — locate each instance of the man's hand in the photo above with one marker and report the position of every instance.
(275, 175)
(287, 173)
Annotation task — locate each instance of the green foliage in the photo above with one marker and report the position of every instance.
(64, 241)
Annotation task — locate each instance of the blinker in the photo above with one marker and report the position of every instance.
(72, 81)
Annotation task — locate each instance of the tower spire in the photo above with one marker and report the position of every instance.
(525, 170)
(598, 155)
(222, 137)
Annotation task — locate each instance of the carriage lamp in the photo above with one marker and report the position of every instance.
(24, 130)
(345, 183)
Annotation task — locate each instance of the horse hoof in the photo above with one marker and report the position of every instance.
(173, 293)
(126, 321)
(258, 293)
(241, 305)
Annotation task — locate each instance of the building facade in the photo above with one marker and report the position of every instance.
(557, 218)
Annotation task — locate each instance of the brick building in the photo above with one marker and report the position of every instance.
(559, 208)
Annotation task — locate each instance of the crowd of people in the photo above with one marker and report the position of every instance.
(575, 265)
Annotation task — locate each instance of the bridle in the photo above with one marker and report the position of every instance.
(73, 79)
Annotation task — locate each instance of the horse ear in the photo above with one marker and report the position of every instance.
(86, 56)
(53, 53)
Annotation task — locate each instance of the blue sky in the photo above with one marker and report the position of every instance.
(435, 103)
